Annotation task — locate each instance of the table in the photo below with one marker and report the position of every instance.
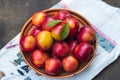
(14, 13)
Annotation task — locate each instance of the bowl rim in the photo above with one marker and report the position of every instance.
(66, 76)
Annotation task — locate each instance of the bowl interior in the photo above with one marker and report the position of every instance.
(28, 25)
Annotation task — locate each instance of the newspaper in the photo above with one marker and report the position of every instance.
(105, 19)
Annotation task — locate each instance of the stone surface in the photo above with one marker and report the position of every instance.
(14, 13)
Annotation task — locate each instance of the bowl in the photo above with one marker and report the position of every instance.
(83, 22)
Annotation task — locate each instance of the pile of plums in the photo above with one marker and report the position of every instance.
(58, 42)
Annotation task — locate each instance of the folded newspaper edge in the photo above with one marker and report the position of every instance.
(13, 67)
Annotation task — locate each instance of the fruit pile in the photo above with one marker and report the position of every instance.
(58, 42)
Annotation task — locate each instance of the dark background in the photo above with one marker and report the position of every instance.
(14, 13)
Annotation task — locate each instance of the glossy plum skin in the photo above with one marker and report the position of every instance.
(74, 26)
(72, 45)
(44, 40)
(70, 63)
(27, 43)
(45, 23)
(83, 51)
(87, 34)
(56, 31)
(62, 15)
(38, 18)
(38, 58)
(60, 49)
(35, 31)
(53, 66)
